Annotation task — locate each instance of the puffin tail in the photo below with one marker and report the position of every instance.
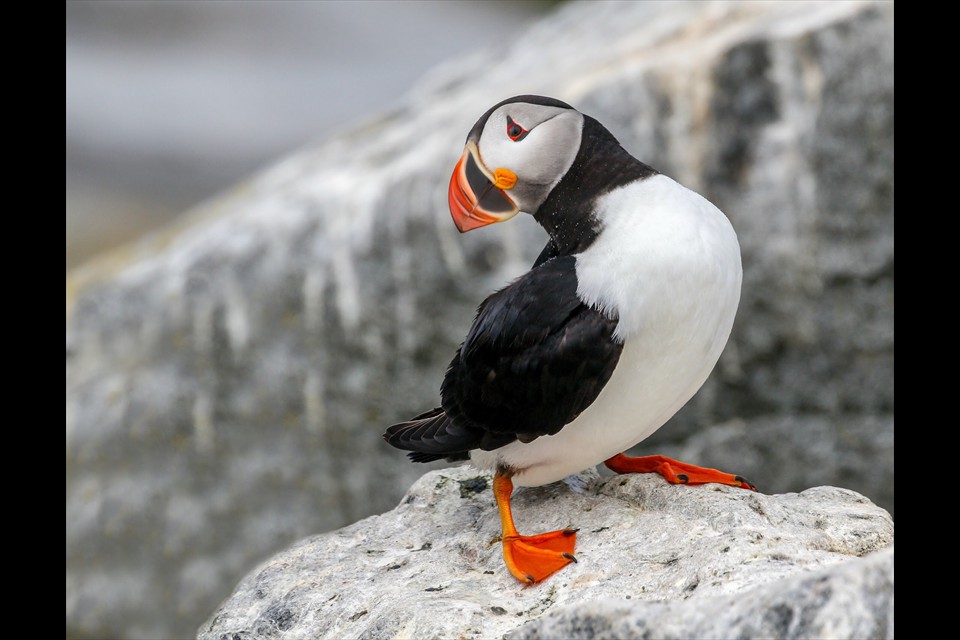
(431, 436)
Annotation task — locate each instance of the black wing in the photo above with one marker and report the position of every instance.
(535, 358)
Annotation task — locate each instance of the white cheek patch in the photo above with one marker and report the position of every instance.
(542, 157)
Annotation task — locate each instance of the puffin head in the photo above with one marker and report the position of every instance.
(515, 154)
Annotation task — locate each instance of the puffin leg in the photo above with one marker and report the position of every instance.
(531, 558)
(675, 471)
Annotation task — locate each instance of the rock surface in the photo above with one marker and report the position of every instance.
(853, 600)
(432, 567)
(222, 377)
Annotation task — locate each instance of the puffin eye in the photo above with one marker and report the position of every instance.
(514, 131)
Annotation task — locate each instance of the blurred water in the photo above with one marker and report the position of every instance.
(170, 102)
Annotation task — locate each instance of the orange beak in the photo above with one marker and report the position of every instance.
(474, 197)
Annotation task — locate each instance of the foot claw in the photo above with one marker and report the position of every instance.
(569, 532)
(530, 579)
(684, 478)
(744, 483)
(569, 556)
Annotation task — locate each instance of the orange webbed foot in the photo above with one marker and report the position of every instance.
(675, 471)
(532, 558)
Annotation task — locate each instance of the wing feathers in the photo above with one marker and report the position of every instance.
(534, 359)
(432, 436)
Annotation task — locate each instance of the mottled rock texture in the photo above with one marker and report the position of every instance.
(853, 600)
(227, 383)
(432, 567)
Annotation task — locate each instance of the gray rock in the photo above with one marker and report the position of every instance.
(222, 377)
(432, 567)
(852, 600)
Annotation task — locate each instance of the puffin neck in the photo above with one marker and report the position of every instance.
(601, 166)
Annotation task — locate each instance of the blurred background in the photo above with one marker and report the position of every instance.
(262, 273)
(170, 102)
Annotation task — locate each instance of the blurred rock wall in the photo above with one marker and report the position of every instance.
(229, 379)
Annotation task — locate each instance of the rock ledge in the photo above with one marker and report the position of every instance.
(650, 554)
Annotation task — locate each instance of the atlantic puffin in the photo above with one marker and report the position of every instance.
(615, 327)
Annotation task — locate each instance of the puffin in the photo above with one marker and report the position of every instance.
(618, 323)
